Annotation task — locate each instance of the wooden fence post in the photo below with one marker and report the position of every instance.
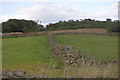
(100, 60)
(107, 61)
(88, 57)
(65, 71)
(94, 61)
(83, 60)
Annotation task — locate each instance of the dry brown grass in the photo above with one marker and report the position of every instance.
(83, 71)
(51, 70)
(89, 30)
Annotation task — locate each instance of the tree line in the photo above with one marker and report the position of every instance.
(86, 23)
(25, 26)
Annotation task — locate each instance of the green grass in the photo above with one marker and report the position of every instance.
(26, 50)
(33, 55)
(104, 46)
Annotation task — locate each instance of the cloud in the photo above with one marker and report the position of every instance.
(42, 0)
(107, 12)
(4, 18)
(60, 0)
(48, 13)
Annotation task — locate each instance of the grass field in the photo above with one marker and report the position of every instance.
(22, 50)
(33, 55)
(104, 46)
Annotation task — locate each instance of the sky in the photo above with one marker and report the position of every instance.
(51, 11)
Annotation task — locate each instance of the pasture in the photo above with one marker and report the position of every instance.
(33, 55)
(22, 50)
(104, 46)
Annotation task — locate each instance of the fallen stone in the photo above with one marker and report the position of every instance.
(19, 73)
(36, 76)
(7, 74)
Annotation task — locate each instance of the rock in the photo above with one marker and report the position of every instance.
(19, 73)
(69, 48)
(7, 74)
(4, 76)
(36, 76)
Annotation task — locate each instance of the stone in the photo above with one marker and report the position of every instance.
(19, 73)
(7, 74)
(69, 48)
(36, 76)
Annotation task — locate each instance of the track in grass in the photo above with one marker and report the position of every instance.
(104, 46)
(22, 50)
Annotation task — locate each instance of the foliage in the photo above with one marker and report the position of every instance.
(15, 25)
(112, 27)
(86, 23)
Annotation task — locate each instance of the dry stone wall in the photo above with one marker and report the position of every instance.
(7, 74)
(68, 55)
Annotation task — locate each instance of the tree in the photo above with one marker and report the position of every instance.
(15, 25)
(86, 23)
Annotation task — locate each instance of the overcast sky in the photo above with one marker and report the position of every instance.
(49, 11)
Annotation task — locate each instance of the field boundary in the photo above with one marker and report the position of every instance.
(47, 32)
(90, 31)
(101, 34)
(68, 55)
